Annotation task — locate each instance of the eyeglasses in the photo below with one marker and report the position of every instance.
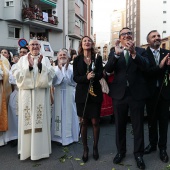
(126, 33)
(34, 45)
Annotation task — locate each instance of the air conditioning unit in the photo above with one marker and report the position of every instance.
(54, 12)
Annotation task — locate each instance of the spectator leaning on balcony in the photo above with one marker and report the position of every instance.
(158, 103)
(34, 75)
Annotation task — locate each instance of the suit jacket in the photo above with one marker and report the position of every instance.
(80, 77)
(154, 74)
(131, 73)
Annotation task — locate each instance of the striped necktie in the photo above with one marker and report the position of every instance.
(127, 56)
(156, 56)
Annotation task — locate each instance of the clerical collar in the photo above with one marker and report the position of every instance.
(35, 56)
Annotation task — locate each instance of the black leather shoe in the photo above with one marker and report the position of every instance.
(149, 149)
(118, 158)
(164, 156)
(140, 162)
(85, 155)
(95, 153)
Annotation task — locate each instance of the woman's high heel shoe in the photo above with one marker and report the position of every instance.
(85, 154)
(95, 153)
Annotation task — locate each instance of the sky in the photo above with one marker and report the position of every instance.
(102, 10)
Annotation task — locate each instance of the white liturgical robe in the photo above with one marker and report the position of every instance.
(12, 132)
(65, 124)
(34, 115)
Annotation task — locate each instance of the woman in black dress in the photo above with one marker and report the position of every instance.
(83, 75)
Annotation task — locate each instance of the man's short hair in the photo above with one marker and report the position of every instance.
(123, 29)
(24, 48)
(147, 37)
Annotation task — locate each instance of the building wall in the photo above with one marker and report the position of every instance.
(144, 16)
(118, 21)
(150, 18)
(11, 16)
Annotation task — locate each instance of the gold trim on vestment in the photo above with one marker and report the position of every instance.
(6, 90)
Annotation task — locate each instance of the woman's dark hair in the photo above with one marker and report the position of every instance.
(80, 51)
(10, 57)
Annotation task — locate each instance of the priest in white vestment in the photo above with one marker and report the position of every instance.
(65, 124)
(34, 75)
(12, 133)
(5, 90)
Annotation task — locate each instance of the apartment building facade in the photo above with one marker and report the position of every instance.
(60, 22)
(118, 21)
(144, 16)
(80, 21)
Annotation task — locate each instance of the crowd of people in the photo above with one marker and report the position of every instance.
(42, 100)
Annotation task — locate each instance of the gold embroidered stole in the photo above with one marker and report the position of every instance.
(5, 90)
(33, 108)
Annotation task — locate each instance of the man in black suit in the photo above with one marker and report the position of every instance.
(128, 91)
(158, 103)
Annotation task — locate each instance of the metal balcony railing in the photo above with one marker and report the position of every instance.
(31, 13)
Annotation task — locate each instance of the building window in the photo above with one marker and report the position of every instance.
(9, 3)
(77, 22)
(81, 8)
(77, 2)
(81, 28)
(164, 12)
(91, 14)
(13, 32)
(164, 22)
(91, 30)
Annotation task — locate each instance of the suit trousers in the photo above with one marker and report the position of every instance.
(158, 115)
(121, 109)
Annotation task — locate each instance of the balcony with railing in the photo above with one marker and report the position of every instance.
(40, 15)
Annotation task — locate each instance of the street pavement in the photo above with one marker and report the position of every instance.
(69, 157)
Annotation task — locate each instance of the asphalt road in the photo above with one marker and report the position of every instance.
(69, 158)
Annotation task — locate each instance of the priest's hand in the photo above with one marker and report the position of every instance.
(60, 64)
(40, 59)
(30, 60)
(67, 64)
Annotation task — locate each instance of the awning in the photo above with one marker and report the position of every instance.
(53, 4)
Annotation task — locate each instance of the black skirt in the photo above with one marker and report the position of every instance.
(92, 110)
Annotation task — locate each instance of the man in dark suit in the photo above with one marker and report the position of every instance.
(128, 91)
(158, 103)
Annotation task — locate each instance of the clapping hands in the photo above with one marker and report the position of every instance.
(118, 48)
(30, 60)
